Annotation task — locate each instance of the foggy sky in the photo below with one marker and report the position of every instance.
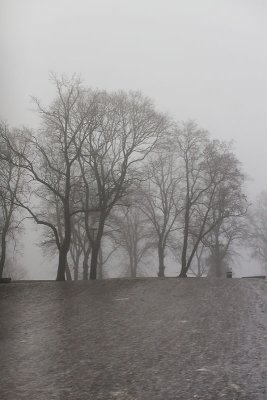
(205, 60)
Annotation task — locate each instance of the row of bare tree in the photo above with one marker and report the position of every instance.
(106, 172)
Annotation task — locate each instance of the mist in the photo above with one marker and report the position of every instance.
(204, 61)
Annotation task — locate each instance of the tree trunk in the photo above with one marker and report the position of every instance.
(184, 268)
(135, 260)
(76, 272)
(135, 266)
(132, 266)
(86, 264)
(186, 264)
(161, 273)
(199, 273)
(61, 264)
(3, 253)
(100, 265)
(68, 273)
(218, 269)
(62, 260)
(183, 272)
(217, 265)
(96, 247)
(64, 248)
(76, 260)
(94, 258)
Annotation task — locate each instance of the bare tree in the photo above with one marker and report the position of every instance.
(80, 247)
(105, 253)
(50, 157)
(256, 230)
(10, 185)
(210, 171)
(128, 129)
(132, 233)
(198, 267)
(221, 243)
(160, 201)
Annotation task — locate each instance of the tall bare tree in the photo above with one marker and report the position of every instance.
(80, 247)
(210, 171)
(160, 201)
(11, 183)
(199, 266)
(256, 230)
(222, 242)
(50, 157)
(128, 129)
(132, 233)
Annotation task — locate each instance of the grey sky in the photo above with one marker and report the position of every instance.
(205, 60)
